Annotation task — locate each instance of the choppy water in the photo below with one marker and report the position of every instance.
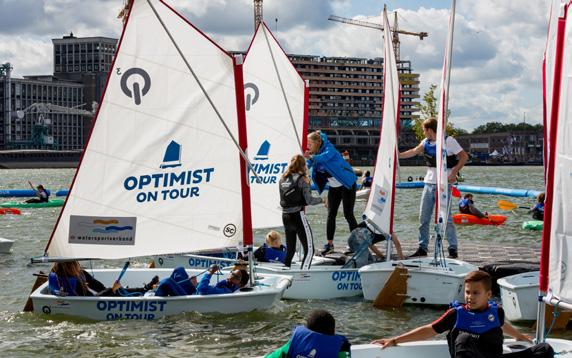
(26, 335)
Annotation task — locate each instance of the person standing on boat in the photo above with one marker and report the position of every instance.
(41, 193)
(295, 194)
(476, 328)
(456, 159)
(328, 166)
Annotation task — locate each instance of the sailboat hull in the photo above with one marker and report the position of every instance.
(5, 245)
(439, 349)
(323, 281)
(268, 290)
(519, 295)
(427, 284)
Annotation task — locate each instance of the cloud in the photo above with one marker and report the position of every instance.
(496, 55)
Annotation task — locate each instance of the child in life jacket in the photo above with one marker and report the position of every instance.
(538, 209)
(272, 250)
(467, 206)
(317, 339)
(475, 329)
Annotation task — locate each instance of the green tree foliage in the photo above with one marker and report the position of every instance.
(497, 127)
(428, 109)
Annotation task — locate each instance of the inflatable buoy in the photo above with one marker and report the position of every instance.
(10, 211)
(409, 178)
(533, 225)
(468, 219)
(16, 204)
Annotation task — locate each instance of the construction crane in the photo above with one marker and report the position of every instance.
(257, 13)
(395, 30)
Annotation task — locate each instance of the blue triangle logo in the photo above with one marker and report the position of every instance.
(263, 151)
(172, 157)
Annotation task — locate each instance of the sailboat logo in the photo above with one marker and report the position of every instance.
(137, 91)
(172, 157)
(251, 98)
(262, 153)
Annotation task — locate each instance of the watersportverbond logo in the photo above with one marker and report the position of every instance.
(171, 185)
(268, 172)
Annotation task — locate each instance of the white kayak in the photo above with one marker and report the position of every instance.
(427, 283)
(323, 280)
(267, 291)
(5, 245)
(439, 349)
(519, 296)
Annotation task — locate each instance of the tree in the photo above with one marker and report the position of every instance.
(428, 109)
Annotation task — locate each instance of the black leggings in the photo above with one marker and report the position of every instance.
(296, 224)
(336, 196)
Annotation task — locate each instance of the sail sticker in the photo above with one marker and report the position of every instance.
(96, 230)
(229, 230)
(268, 172)
(169, 185)
(379, 199)
(131, 86)
(250, 96)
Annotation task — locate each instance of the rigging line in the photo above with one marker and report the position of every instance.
(242, 153)
(282, 87)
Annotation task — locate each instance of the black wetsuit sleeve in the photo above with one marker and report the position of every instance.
(346, 346)
(93, 283)
(259, 254)
(446, 322)
(501, 316)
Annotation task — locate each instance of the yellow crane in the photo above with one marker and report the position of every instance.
(395, 30)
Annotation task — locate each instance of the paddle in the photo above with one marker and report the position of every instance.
(117, 284)
(455, 192)
(32, 186)
(507, 205)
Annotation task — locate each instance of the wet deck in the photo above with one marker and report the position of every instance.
(481, 254)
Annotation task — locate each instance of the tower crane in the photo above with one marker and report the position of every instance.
(395, 30)
(257, 13)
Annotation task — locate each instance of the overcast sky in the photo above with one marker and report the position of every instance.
(497, 53)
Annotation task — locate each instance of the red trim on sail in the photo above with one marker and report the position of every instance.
(558, 59)
(544, 119)
(306, 113)
(251, 42)
(92, 128)
(278, 43)
(395, 158)
(243, 142)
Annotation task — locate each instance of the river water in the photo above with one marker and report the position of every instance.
(27, 335)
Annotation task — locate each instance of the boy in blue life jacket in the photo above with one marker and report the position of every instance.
(235, 280)
(178, 284)
(467, 206)
(475, 329)
(318, 339)
(272, 250)
(537, 210)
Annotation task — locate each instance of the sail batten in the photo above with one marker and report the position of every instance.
(276, 115)
(159, 164)
(380, 204)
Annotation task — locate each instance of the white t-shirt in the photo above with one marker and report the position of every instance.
(452, 147)
(334, 183)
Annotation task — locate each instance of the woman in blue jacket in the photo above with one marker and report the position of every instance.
(328, 166)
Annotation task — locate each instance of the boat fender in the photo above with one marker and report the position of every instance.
(409, 178)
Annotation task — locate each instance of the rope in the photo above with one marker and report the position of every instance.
(555, 315)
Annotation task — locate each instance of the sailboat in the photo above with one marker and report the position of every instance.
(165, 153)
(431, 280)
(555, 283)
(276, 117)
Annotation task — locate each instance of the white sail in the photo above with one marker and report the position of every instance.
(560, 279)
(548, 73)
(161, 173)
(379, 207)
(441, 154)
(276, 122)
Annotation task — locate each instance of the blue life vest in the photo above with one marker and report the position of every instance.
(476, 322)
(61, 286)
(366, 183)
(430, 155)
(307, 343)
(539, 207)
(274, 255)
(464, 206)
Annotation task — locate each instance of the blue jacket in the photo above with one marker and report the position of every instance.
(307, 343)
(178, 284)
(266, 253)
(204, 287)
(329, 162)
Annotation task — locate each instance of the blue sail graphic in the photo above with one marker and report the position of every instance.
(263, 151)
(172, 156)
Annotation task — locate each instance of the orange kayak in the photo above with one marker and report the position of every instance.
(468, 219)
(10, 211)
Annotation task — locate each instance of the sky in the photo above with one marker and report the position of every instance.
(497, 51)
